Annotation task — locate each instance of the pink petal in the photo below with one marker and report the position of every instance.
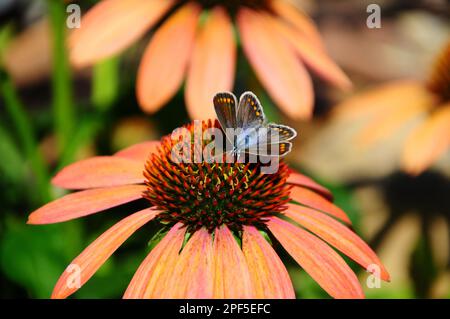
(139, 152)
(313, 56)
(270, 278)
(100, 171)
(337, 235)
(304, 181)
(298, 19)
(151, 278)
(95, 255)
(276, 65)
(213, 64)
(309, 198)
(84, 203)
(192, 276)
(318, 259)
(165, 60)
(113, 25)
(231, 274)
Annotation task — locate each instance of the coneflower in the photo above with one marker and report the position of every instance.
(390, 106)
(219, 218)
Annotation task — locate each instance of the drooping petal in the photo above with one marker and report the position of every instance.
(313, 56)
(337, 235)
(139, 152)
(276, 65)
(427, 142)
(100, 171)
(111, 26)
(299, 20)
(212, 66)
(165, 60)
(270, 278)
(151, 278)
(308, 198)
(304, 181)
(84, 203)
(95, 255)
(318, 259)
(193, 275)
(231, 274)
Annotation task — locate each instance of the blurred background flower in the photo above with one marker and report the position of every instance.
(389, 107)
(196, 40)
(389, 142)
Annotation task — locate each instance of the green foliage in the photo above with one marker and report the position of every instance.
(35, 256)
(105, 83)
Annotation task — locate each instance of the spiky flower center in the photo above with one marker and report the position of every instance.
(439, 80)
(211, 194)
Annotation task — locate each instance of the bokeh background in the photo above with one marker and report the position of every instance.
(405, 218)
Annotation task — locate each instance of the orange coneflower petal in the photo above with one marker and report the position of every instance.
(309, 198)
(270, 278)
(337, 235)
(318, 259)
(297, 18)
(193, 275)
(111, 26)
(276, 65)
(313, 56)
(165, 60)
(95, 255)
(231, 274)
(139, 152)
(100, 171)
(84, 203)
(427, 142)
(382, 99)
(304, 181)
(383, 126)
(152, 275)
(212, 66)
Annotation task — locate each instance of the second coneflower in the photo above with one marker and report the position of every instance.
(195, 41)
(392, 105)
(217, 218)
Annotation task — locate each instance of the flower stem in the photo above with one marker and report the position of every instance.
(63, 111)
(105, 83)
(25, 133)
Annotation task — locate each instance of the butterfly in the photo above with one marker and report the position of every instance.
(246, 127)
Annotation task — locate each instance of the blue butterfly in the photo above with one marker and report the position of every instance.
(246, 127)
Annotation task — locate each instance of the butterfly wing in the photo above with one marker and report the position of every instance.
(279, 133)
(278, 149)
(250, 117)
(225, 105)
(250, 113)
(253, 135)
